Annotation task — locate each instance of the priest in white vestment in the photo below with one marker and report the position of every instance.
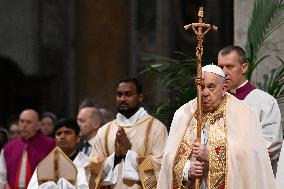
(128, 151)
(232, 154)
(232, 60)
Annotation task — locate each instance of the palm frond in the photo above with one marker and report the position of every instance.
(176, 76)
(273, 82)
(267, 17)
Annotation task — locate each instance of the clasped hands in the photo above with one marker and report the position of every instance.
(200, 152)
(122, 143)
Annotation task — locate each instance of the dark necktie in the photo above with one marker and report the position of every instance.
(86, 148)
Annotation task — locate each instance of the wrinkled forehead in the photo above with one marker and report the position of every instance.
(210, 78)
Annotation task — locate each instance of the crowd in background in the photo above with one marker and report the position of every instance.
(47, 122)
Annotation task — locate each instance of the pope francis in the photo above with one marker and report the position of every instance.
(232, 152)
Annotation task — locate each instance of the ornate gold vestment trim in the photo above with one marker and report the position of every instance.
(96, 169)
(183, 153)
(147, 173)
(217, 148)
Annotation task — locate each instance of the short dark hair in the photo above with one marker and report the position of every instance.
(69, 123)
(51, 115)
(240, 51)
(137, 83)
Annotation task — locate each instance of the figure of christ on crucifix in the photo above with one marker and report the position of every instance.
(199, 81)
(214, 138)
(199, 32)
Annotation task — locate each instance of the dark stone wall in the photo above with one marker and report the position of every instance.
(103, 52)
(66, 50)
(56, 59)
(37, 57)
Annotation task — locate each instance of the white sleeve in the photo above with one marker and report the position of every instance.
(47, 185)
(110, 173)
(61, 184)
(272, 129)
(129, 170)
(82, 162)
(33, 184)
(82, 181)
(269, 115)
(64, 184)
(185, 170)
(3, 170)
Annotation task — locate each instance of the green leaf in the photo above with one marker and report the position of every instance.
(177, 77)
(267, 17)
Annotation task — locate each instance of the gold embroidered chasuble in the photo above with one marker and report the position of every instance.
(148, 138)
(237, 151)
(217, 145)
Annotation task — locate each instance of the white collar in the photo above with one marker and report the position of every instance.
(91, 141)
(123, 121)
(235, 90)
(81, 160)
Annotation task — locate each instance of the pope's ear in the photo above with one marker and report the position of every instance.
(224, 88)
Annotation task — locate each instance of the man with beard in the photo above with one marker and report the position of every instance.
(232, 60)
(129, 146)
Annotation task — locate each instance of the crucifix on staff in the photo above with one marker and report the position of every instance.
(215, 138)
(200, 34)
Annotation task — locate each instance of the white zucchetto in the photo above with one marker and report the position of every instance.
(213, 69)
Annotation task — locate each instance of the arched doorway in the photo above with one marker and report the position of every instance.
(18, 91)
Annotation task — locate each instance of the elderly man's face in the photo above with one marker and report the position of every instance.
(87, 122)
(28, 123)
(212, 92)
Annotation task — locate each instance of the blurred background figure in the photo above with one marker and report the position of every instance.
(19, 157)
(107, 115)
(4, 137)
(47, 122)
(89, 120)
(14, 131)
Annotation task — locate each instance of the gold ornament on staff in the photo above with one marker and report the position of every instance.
(198, 30)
